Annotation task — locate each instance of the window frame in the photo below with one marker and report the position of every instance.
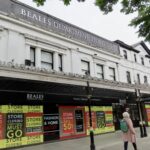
(32, 60)
(128, 75)
(114, 74)
(102, 71)
(88, 67)
(49, 63)
(125, 55)
(60, 65)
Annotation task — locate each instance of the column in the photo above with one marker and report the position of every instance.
(55, 61)
(106, 72)
(38, 57)
(27, 49)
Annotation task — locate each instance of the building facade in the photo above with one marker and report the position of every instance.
(45, 65)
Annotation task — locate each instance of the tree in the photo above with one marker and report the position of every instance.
(142, 7)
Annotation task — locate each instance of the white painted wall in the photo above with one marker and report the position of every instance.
(17, 37)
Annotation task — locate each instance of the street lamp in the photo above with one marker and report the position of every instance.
(92, 145)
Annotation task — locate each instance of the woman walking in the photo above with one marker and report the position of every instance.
(129, 136)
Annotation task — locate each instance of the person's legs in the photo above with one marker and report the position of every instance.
(126, 145)
(135, 146)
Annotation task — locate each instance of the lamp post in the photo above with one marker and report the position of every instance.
(141, 123)
(92, 145)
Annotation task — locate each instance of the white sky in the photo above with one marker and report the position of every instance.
(87, 16)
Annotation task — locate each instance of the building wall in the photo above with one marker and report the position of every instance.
(16, 40)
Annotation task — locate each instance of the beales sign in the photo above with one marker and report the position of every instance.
(35, 96)
(26, 13)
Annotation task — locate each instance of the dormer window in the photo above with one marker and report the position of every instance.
(142, 60)
(135, 59)
(125, 54)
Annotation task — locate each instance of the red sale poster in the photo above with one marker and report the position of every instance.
(68, 122)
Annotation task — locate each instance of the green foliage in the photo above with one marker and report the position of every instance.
(142, 7)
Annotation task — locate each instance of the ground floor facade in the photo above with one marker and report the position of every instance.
(36, 112)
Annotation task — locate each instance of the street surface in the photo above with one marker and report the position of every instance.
(110, 141)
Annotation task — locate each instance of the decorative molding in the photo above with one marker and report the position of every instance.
(12, 67)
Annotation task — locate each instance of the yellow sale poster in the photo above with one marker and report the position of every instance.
(102, 120)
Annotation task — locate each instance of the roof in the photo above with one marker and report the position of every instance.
(142, 43)
(129, 47)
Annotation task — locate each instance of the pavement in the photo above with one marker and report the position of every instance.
(109, 141)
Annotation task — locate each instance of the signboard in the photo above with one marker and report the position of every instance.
(68, 122)
(51, 126)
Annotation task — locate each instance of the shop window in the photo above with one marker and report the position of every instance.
(85, 67)
(112, 74)
(79, 121)
(32, 56)
(100, 71)
(47, 60)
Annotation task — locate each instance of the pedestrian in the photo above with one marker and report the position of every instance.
(129, 136)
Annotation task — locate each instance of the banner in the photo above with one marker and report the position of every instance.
(147, 107)
(68, 122)
(16, 131)
(1, 126)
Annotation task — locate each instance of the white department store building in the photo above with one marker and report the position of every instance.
(43, 65)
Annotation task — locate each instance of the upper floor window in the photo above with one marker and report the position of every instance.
(125, 54)
(100, 71)
(135, 59)
(32, 56)
(128, 77)
(112, 74)
(60, 62)
(85, 67)
(142, 60)
(46, 60)
(145, 79)
(138, 79)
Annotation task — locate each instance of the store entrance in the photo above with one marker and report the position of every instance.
(118, 109)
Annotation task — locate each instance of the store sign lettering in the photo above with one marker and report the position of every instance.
(35, 96)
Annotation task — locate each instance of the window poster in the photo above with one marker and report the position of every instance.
(1, 125)
(34, 124)
(51, 126)
(68, 122)
(16, 121)
(147, 107)
(102, 119)
(14, 126)
(79, 120)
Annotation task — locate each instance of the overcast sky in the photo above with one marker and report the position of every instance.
(87, 16)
